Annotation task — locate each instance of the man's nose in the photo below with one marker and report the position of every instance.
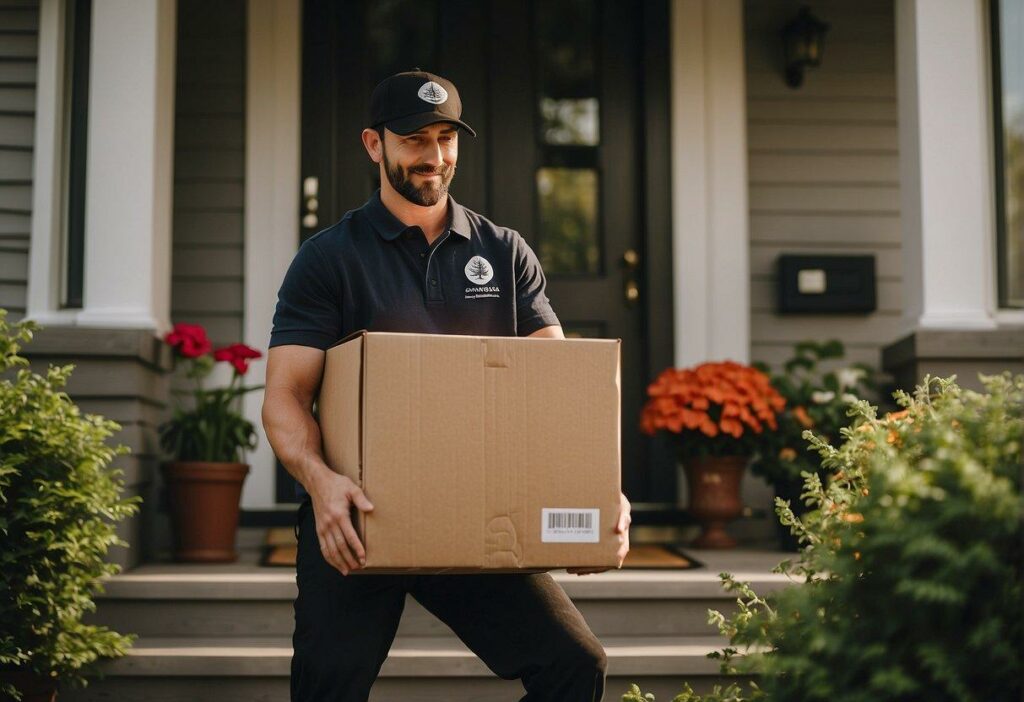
(433, 155)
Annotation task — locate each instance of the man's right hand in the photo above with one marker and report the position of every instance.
(333, 497)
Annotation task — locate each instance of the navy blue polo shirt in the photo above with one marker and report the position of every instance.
(370, 271)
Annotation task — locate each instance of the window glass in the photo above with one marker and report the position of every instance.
(567, 198)
(569, 136)
(1008, 65)
(76, 97)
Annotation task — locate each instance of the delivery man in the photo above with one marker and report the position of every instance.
(410, 259)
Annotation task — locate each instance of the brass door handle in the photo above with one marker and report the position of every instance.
(310, 190)
(630, 265)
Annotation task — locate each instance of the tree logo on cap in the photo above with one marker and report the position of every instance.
(433, 93)
(479, 271)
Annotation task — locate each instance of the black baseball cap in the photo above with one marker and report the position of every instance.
(406, 102)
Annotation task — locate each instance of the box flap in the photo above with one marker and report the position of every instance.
(348, 338)
(340, 408)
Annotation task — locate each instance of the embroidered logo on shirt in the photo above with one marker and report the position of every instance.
(433, 93)
(479, 270)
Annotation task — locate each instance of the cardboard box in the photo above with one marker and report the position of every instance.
(478, 452)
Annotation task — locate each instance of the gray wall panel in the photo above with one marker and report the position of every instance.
(823, 169)
(209, 169)
(19, 48)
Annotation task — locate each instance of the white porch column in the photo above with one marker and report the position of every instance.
(130, 165)
(946, 185)
(710, 238)
(272, 158)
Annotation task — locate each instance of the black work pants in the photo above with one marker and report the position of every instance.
(522, 626)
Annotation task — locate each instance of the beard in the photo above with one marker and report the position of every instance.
(430, 193)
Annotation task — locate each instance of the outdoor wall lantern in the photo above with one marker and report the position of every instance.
(802, 40)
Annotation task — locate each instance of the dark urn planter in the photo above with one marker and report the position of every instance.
(32, 686)
(789, 490)
(714, 485)
(203, 498)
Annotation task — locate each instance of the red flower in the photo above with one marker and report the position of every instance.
(237, 355)
(189, 340)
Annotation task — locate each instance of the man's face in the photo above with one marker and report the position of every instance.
(420, 166)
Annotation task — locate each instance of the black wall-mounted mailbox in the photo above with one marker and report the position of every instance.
(826, 284)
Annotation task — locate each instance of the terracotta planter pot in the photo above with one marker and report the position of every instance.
(203, 499)
(32, 686)
(714, 483)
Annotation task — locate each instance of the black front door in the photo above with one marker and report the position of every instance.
(555, 91)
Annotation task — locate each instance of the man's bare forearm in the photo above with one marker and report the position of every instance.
(295, 437)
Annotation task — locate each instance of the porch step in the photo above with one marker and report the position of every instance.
(223, 632)
(159, 601)
(414, 656)
(421, 668)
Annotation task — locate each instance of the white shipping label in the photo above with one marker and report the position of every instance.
(565, 525)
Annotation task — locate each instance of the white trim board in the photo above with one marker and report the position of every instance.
(45, 260)
(272, 157)
(710, 240)
(131, 109)
(947, 200)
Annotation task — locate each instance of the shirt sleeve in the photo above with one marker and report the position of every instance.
(533, 308)
(308, 311)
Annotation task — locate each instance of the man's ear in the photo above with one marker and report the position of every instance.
(373, 144)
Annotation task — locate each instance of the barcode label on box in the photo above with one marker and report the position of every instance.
(560, 525)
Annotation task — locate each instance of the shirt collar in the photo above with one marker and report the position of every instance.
(390, 227)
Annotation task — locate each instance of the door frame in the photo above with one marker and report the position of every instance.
(272, 196)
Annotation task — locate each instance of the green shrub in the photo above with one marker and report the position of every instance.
(912, 562)
(815, 400)
(59, 504)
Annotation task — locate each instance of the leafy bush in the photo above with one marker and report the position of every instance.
(59, 504)
(912, 568)
(815, 400)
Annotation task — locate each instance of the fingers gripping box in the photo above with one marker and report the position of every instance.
(478, 452)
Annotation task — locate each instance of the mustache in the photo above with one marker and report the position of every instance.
(427, 170)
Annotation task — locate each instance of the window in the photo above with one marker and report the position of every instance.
(1008, 109)
(76, 100)
(568, 180)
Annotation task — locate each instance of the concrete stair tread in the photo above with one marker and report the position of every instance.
(427, 656)
(247, 581)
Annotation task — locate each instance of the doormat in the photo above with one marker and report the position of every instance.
(279, 550)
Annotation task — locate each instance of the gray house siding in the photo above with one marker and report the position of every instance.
(207, 268)
(209, 168)
(19, 42)
(823, 169)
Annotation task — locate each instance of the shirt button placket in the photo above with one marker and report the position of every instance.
(433, 282)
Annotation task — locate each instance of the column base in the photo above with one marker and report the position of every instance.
(945, 352)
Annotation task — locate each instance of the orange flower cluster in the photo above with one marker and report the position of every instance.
(892, 437)
(800, 412)
(682, 399)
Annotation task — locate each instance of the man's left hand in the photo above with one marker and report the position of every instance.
(622, 529)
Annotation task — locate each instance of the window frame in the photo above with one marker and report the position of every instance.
(1003, 303)
(74, 146)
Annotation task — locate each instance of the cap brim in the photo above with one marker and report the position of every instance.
(412, 123)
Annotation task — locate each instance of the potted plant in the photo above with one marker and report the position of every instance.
(817, 401)
(206, 440)
(59, 507)
(718, 413)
